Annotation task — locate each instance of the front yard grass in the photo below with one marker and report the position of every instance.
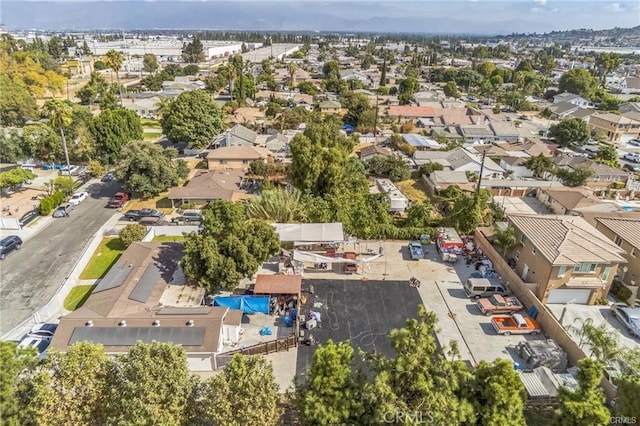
(161, 202)
(151, 136)
(107, 253)
(77, 296)
(413, 189)
(150, 123)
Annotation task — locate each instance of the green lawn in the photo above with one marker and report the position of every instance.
(169, 238)
(151, 135)
(77, 296)
(107, 253)
(150, 124)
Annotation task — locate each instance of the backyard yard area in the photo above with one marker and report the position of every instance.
(150, 124)
(161, 202)
(413, 189)
(169, 238)
(107, 253)
(77, 296)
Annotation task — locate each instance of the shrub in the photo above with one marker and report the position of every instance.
(131, 233)
(618, 185)
(620, 291)
(45, 207)
(188, 206)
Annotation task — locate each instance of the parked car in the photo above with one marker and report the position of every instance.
(29, 217)
(133, 215)
(63, 211)
(118, 200)
(497, 304)
(40, 343)
(43, 330)
(634, 142)
(515, 324)
(634, 158)
(482, 287)
(415, 250)
(632, 168)
(628, 316)
(190, 215)
(78, 198)
(109, 177)
(9, 244)
(153, 221)
(66, 171)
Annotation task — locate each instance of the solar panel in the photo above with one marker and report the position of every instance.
(147, 282)
(128, 336)
(115, 277)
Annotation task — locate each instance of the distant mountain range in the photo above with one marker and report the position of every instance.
(455, 17)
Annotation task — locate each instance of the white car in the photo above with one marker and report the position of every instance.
(43, 330)
(78, 198)
(40, 343)
(635, 158)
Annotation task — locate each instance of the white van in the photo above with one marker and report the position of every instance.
(482, 287)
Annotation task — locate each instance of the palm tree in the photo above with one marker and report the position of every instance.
(60, 116)
(505, 239)
(292, 68)
(276, 205)
(114, 60)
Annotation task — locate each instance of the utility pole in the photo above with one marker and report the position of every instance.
(484, 154)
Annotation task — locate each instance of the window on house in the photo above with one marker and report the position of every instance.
(524, 240)
(561, 271)
(223, 161)
(618, 241)
(585, 268)
(245, 161)
(605, 274)
(533, 251)
(517, 256)
(633, 252)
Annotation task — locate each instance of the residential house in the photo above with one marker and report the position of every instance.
(442, 179)
(531, 147)
(247, 115)
(616, 128)
(566, 259)
(182, 84)
(572, 99)
(236, 157)
(370, 151)
(624, 232)
(330, 107)
(238, 135)
(572, 201)
(209, 185)
(505, 131)
(629, 107)
(409, 113)
(144, 298)
(144, 108)
(479, 133)
(460, 160)
(561, 110)
(420, 142)
(304, 101)
(516, 166)
(603, 175)
(355, 75)
(630, 85)
(277, 144)
(493, 151)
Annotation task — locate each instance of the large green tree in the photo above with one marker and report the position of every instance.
(586, 404)
(193, 52)
(246, 393)
(60, 116)
(391, 167)
(193, 117)
(112, 130)
(14, 363)
(278, 205)
(608, 155)
(570, 131)
(228, 247)
(150, 63)
(577, 176)
(578, 81)
(539, 165)
(17, 105)
(149, 169)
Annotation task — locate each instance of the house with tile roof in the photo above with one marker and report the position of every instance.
(208, 185)
(370, 151)
(460, 160)
(572, 201)
(564, 258)
(614, 127)
(145, 297)
(625, 232)
(602, 177)
(236, 157)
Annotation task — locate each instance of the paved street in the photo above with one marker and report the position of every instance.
(32, 275)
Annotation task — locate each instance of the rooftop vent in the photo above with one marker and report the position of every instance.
(190, 323)
(89, 323)
(122, 323)
(156, 323)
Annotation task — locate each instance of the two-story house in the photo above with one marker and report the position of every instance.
(567, 260)
(624, 232)
(571, 98)
(616, 128)
(236, 157)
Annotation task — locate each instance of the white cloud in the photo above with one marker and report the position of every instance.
(616, 7)
(540, 1)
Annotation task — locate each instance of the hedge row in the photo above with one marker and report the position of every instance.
(51, 202)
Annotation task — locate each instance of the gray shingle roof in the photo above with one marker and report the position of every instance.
(567, 240)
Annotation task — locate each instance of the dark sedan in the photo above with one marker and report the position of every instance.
(134, 215)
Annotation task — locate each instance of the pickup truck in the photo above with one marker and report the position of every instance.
(498, 304)
(515, 324)
(118, 200)
(415, 250)
(133, 215)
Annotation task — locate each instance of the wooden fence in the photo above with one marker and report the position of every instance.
(264, 348)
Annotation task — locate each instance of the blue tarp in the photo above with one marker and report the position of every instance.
(247, 304)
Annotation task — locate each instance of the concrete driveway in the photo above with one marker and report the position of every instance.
(31, 276)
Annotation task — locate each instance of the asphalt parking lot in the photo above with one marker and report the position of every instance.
(441, 292)
(361, 312)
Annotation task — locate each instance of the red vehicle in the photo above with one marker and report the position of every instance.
(118, 200)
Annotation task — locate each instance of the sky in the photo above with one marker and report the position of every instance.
(454, 16)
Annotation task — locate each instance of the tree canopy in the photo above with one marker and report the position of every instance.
(570, 131)
(193, 52)
(112, 130)
(193, 117)
(578, 81)
(228, 247)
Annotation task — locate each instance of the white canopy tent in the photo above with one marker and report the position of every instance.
(310, 233)
(303, 256)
